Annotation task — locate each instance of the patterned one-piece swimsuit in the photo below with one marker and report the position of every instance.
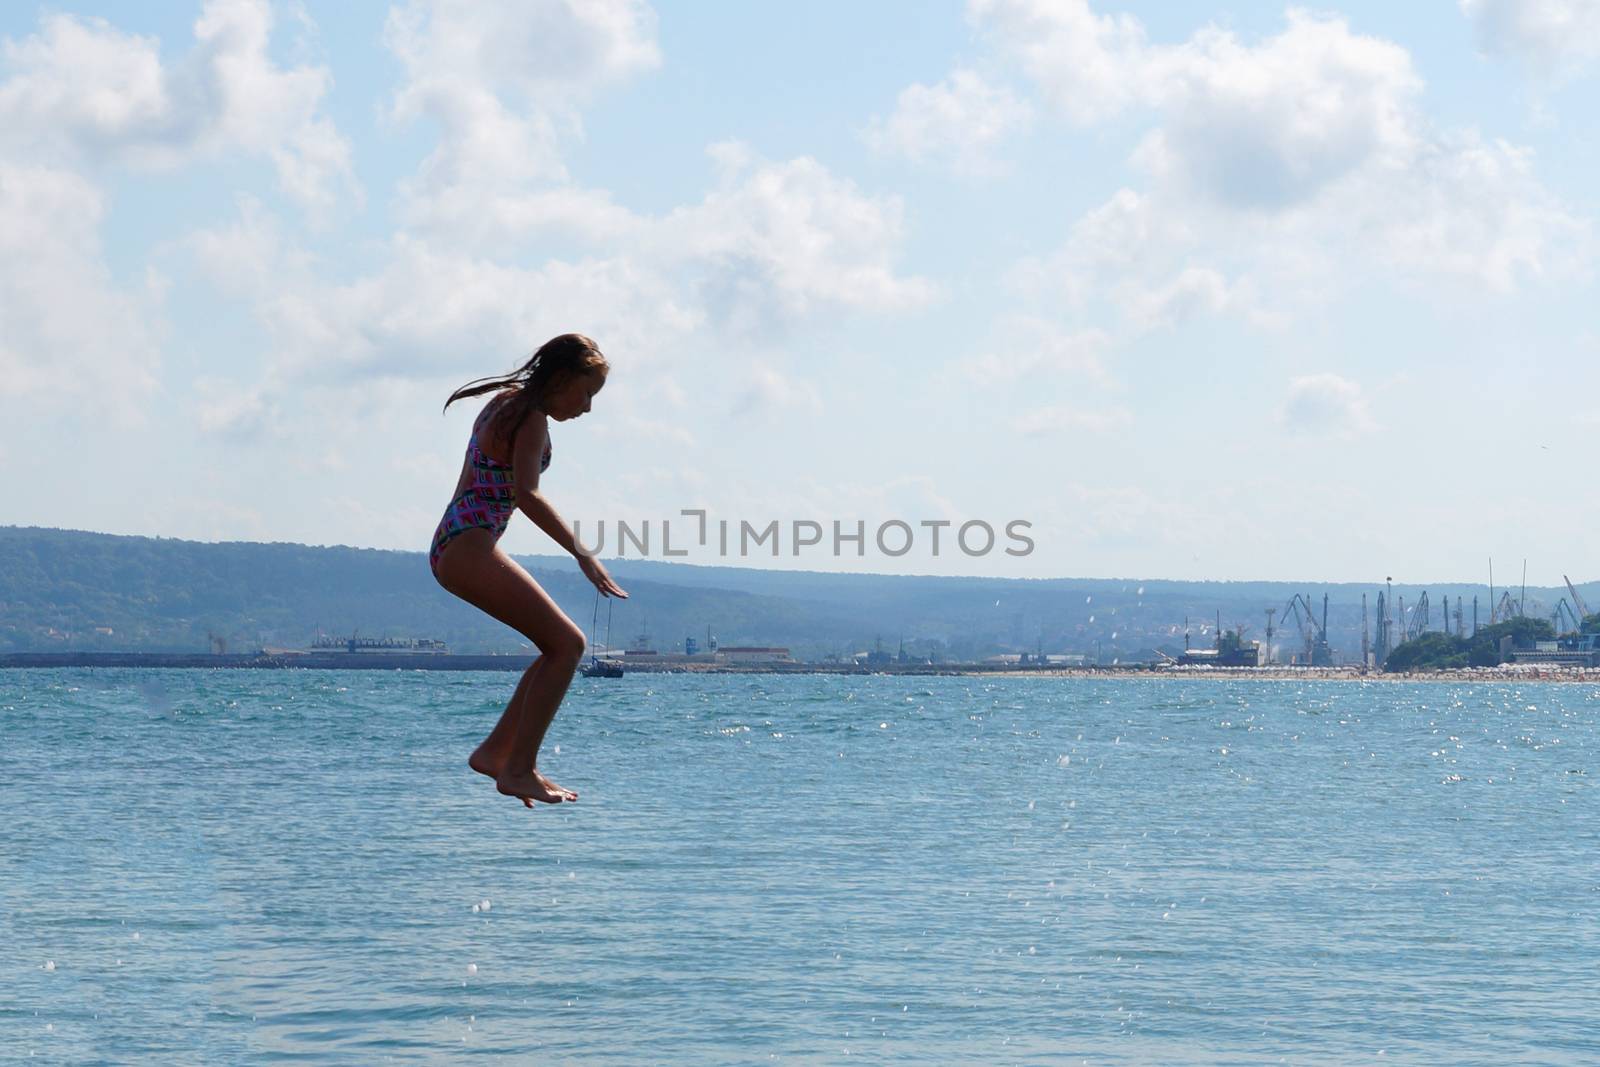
(488, 501)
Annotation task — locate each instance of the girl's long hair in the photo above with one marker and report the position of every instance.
(571, 352)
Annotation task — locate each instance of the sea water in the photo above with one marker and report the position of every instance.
(219, 867)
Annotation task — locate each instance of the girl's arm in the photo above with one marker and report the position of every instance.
(527, 455)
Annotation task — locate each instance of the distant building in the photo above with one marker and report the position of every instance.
(1242, 655)
(379, 645)
(1577, 651)
(733, 654)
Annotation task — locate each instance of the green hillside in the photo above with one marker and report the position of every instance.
(72, 590)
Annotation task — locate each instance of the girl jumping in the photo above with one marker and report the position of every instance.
(508, 451)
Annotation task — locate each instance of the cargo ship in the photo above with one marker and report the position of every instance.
(380, 645)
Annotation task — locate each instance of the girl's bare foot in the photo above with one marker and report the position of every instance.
(490, 766)
(531, 785)
(562, 791)
(486, 762)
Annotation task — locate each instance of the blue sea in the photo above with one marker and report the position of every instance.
(235, 867)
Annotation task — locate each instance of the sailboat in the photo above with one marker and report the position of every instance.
(597, 667)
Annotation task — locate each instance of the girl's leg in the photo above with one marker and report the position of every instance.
(473, 568)
(539, 704)
(490, 756)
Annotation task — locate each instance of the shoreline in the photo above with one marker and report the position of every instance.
(1524, 672)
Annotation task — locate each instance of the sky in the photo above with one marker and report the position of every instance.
(1200, 291)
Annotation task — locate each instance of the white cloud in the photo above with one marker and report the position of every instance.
(555, 50)
(432, 311)
(1473, 210)
(1325, 405)
(1194, 290)
(1277, 173)
(1055, 418)
(234, 411)
(767, 390)
(80, 92)
(504, 82)
(1549, 38)
(68, 329)
(1027, 346)
(1144, 265)
(251, 255)
(772, 244)
(1088, 66)
(782, 239)
(1272, 124)
(1250, 126)
(957, 122)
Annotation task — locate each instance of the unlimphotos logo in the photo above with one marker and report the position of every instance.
(837, 537)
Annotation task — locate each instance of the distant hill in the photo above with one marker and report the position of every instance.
(66, 589)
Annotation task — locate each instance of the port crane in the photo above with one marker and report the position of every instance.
(1564, 613)
(1291, 610)
(1577, 601)
(1317, 652)
(1417, 625)
(1384, 642)
(1508, 608)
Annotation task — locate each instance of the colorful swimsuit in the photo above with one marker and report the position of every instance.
(488, 501)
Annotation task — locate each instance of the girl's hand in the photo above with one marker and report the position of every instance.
(595, 571)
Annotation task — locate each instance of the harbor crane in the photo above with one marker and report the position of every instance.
(1366, 638)
(1303, 623)
(1317, 652)
(1385, 641)
(1418, 623)
(1508, 608)
(1577, 601)
(1564, 609)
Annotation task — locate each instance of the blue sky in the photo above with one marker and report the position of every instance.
(1231, 292)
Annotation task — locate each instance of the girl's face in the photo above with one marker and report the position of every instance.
(571, 395)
